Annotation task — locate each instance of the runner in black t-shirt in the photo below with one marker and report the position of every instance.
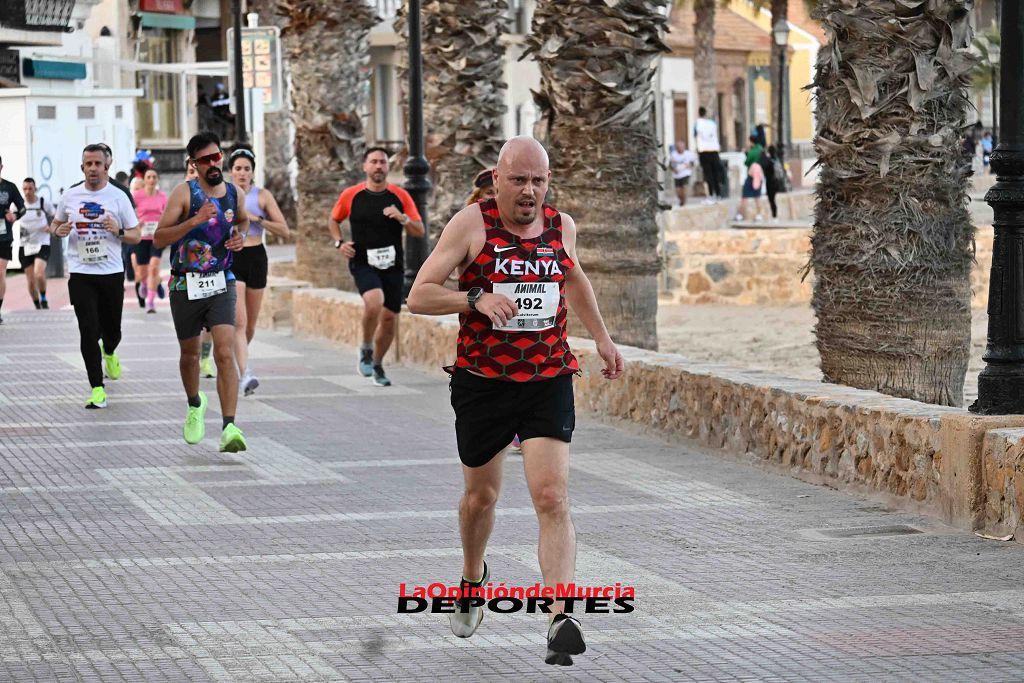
(9, 196)
(378, 214)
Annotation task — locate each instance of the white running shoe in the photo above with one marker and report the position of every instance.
(465, 619)
(249, 384)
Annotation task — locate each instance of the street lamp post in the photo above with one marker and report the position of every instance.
(780, 31)
(1001, 382)
(417, 167)
(993, 60)
(239, 94)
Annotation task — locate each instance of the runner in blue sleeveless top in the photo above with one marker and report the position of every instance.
(205, 224)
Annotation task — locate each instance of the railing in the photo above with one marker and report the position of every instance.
(36, 15)
(387, 9)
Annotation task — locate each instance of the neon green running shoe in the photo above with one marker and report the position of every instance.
(111, 366)
(98, 399)
(232, 440)
(206, 367)
(195, 422)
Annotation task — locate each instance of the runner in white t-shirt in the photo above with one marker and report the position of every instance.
(35, 242)
(97, 217)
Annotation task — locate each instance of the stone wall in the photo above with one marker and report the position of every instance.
(1003, 484)
(762, 267)
(793, 206)
(941, 460)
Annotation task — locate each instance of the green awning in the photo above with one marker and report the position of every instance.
(176, 21)
(44, 68)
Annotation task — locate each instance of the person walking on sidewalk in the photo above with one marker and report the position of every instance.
(35, 242)
(9, 196)
(250, 265)
(705, 130)
(150, 202)
(205, 224)
(97, 218)
(378, 213)
(518, 270)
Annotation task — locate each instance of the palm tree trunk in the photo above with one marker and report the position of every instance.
(704, 55)
(279, 130)
(328, 54)
(892, 243)
(597, 97)
(463, 96)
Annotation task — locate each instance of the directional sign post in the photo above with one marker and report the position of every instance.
(261, 64)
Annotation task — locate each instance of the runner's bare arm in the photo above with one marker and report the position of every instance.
(428, 294)
(579, 295)
(239, 230)
(60, 227)
(171, 227)
(132, 235)
(275, 221)
(415, 228)
(334, 227)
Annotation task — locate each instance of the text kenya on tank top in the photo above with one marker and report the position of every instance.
(533, 345)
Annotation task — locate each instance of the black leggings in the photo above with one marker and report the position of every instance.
(98, 302)
(711, 164)
(771, 202)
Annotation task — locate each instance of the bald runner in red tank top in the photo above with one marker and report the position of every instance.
(533, 345)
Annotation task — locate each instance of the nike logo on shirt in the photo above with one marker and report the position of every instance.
(498, 250)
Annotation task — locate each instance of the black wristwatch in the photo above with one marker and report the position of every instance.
(473, 295)
(338, 243)
(120, 231)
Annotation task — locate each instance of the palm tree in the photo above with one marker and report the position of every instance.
(704, 55)
(328, 56)
(892, 243)
(463, 95)
(596, 63)
(278, 128)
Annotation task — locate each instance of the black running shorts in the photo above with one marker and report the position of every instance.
(27, 260)
(6, 250)
(144, 251)
(391, 281)
(191, 316)
(250, 266)
(490, 412)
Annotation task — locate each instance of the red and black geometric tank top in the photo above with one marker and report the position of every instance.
(533, 345)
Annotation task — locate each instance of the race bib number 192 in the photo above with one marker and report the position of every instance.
(537, 303)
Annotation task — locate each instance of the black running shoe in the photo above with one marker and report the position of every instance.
(379, 378)
(565, 638)
(464, 620)
(36, 302)
(160, 291)
(44, 304)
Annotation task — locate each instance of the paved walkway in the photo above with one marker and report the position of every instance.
(127, 555)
